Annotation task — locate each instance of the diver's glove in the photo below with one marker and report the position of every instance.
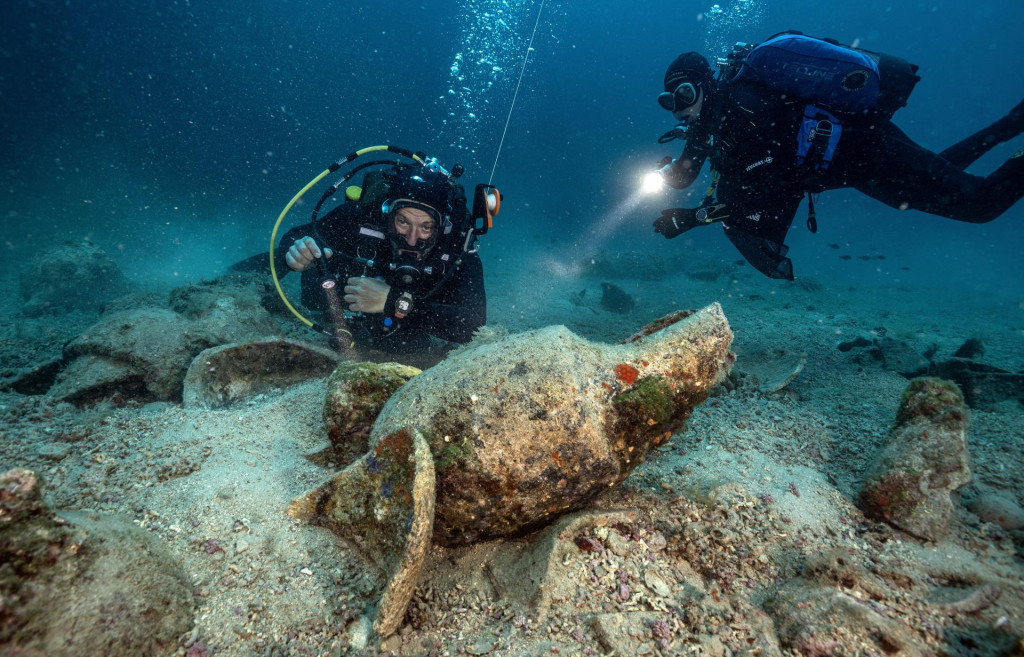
(673, 222)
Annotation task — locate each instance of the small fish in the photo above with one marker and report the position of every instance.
(833, 246)
(845, 257)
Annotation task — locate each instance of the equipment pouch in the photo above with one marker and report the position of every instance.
(818, 139)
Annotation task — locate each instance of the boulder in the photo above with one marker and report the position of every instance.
(983, 385)
(998, 509)
(814, 618)
(911, 483)
(144, 353)
(69, 277)
(81, 583)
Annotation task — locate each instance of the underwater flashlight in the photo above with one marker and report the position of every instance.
(652, 182)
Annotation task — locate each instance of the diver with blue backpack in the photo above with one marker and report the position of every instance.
(797, 115)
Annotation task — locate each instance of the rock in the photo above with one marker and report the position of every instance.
(356, 392)
(615, 299)
(384, 504)
(984, 386)
(69, 277)
(890, 353)
(221, 376)
(617, 544)
(901, 357)
(657, 584)
(536, 577)
(533, 426)
(76, 582)
(925, 460)
(630, 633)
(971, 348)
(144, 353)
(774, 370)
(999, 510)
(35, 379)
(823, 620)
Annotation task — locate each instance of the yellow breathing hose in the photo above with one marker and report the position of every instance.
(280, 219)
(273, 244)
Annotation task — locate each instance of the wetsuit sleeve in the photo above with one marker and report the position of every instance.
(686, 168)
(336, 228)
(460, 308)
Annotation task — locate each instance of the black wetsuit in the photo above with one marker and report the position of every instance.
(750, 134)
(453, 312)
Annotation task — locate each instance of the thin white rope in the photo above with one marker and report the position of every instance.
(508, 119)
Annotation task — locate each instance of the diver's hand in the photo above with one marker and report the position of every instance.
(673, 222)
(366, 295)
(301, 254)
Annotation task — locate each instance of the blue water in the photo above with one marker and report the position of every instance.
(172, 134)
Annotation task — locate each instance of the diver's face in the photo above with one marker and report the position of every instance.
(414, 224)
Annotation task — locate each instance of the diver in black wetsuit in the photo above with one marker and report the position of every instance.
(400, 253)
(750, 131)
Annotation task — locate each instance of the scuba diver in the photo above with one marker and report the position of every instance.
(401, 247)
(798, 115)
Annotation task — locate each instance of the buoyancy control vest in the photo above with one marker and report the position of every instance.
(837, 83)
(844, 80)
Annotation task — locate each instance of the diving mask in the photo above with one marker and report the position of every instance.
(683, 97)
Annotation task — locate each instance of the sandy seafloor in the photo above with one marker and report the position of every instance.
(768, 480)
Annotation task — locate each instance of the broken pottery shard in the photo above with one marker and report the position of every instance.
(528, 428)
(773, 371)
(925, 460)
(222, 375)
(384, 504)
(355, 394)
